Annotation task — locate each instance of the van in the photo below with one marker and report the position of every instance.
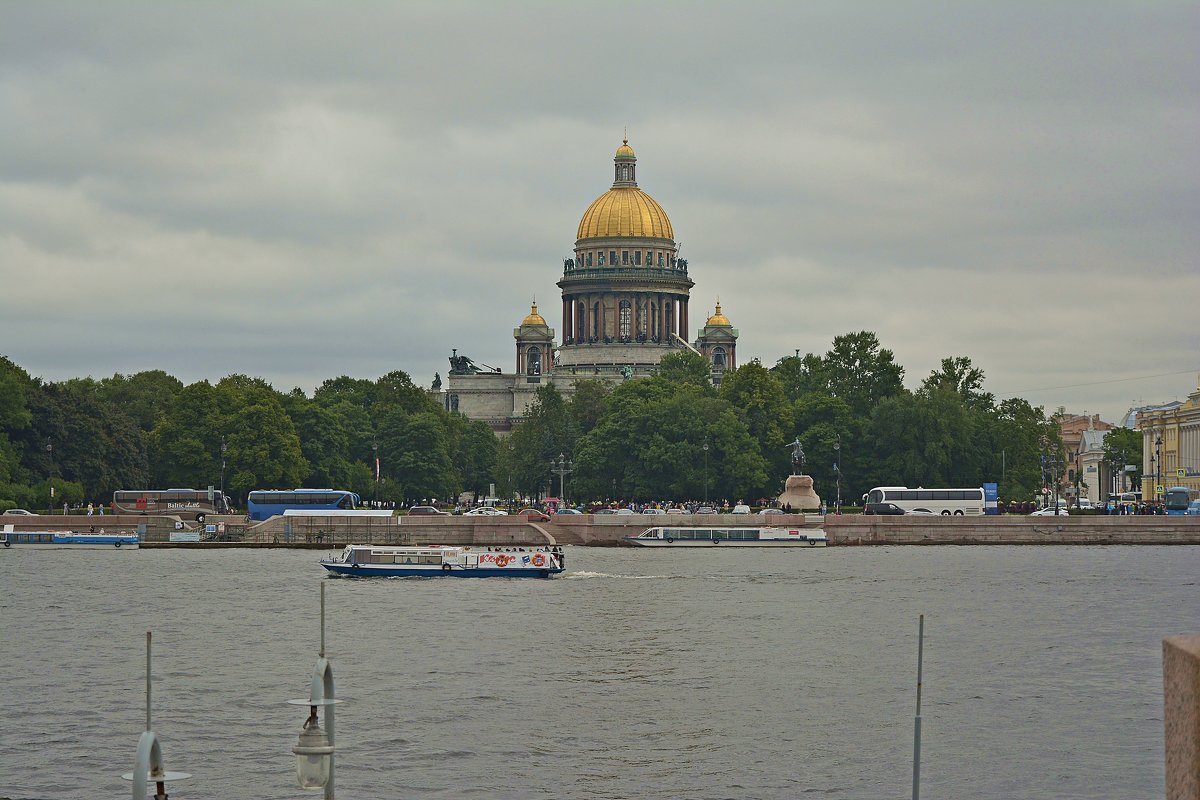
(1193, 509)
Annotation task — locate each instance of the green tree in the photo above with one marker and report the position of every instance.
(1122, 448)
(547, 430)
(758, 395)
(959, 376)
(144, 396)
(588, 402)
(862, 373)
(414, 452)
(264, 448)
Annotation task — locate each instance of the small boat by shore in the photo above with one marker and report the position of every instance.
(67, 539)
(431, 560)
(729, 537)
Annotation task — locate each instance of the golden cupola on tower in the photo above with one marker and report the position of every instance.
(534, 318)
(718, 318)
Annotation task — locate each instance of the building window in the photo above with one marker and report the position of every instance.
(637, 258)
(649, 258)
(718, 357)
(626, 318)
(589, 259)
(625, 257)
(533, 361)
(612, 257)
(580, 325)
(600, 256)
(660, 259)
(670, 309)
(595, 321)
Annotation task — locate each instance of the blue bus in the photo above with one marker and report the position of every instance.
(266, 503)
(1177, 498)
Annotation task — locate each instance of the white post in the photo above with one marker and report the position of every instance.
(916, 783)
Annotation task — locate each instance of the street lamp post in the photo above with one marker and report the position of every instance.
(706, 472)
(50, 476)
(222, 501)
(562, 467)
(837, 469)
(314, 750)
(375, 455)
(1157, 466)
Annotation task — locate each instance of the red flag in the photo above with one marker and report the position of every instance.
(376, 468)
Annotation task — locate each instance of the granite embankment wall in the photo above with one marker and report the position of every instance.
(609, 530)
(1083, 529)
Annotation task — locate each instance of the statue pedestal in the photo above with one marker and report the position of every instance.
(798, 493)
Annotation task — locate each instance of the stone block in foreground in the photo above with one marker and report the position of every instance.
(1181, 716)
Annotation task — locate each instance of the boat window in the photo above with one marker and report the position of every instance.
(702, 534)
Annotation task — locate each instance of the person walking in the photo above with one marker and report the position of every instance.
(91, 509)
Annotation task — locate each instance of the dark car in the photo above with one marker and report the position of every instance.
(417, 511)
(882, 508)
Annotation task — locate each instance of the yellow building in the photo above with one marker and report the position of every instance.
(1171, 446)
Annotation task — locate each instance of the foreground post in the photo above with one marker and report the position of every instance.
(149, 765)
(916, 793)
(1181, 716)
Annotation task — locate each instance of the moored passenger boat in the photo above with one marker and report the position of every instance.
(70, 539)
(431, 560)
(729, 537)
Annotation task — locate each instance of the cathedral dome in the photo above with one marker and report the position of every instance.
(625, 211)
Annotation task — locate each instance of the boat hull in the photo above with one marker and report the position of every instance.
(434, 571)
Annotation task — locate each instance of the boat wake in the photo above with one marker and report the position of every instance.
(588, 575)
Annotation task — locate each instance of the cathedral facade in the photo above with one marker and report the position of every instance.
(625, 298)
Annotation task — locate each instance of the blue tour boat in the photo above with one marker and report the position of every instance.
(68, 539)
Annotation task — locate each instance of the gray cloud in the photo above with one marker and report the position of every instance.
(296, 191)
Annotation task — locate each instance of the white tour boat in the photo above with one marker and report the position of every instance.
(71, 539)
(431, 560)
(729, 537)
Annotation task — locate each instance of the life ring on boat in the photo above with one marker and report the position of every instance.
(539, 560)
(116, 544)
(445, 567)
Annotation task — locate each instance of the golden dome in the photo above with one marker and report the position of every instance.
(718, 318)
(534, 317)
(625, 151)
(625, 211)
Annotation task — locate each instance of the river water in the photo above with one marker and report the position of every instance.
(636, 674)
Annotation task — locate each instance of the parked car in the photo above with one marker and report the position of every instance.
(599, 511)
(741, 508)
(569, 511)
(19, 512)
(653, 511)
(485, 511)
(766, 512)
(418, 511)
(533, 515)
(920, 512)
(1193, 509)
(706, 510)
(624, 512)
(883, 509)
(1051, 511)
(676, 511)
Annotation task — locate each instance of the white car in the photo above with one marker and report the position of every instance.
(1051, 511)
(653, 511)
(485, 511)
(20, 512)
(741, 508)
(920, 512)
(676, 511)
(766, 512)
(706, 510)
(625, 512)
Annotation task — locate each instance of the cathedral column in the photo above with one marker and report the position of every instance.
(684, 317)
(568, 319)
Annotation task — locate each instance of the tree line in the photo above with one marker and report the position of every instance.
(670, 436)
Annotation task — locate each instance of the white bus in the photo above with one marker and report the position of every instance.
(959, 502)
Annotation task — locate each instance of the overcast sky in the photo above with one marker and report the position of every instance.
(297, 191)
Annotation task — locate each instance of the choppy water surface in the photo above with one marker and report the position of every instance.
(637, 674)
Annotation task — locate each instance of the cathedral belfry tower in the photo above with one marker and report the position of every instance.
(625, 293)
